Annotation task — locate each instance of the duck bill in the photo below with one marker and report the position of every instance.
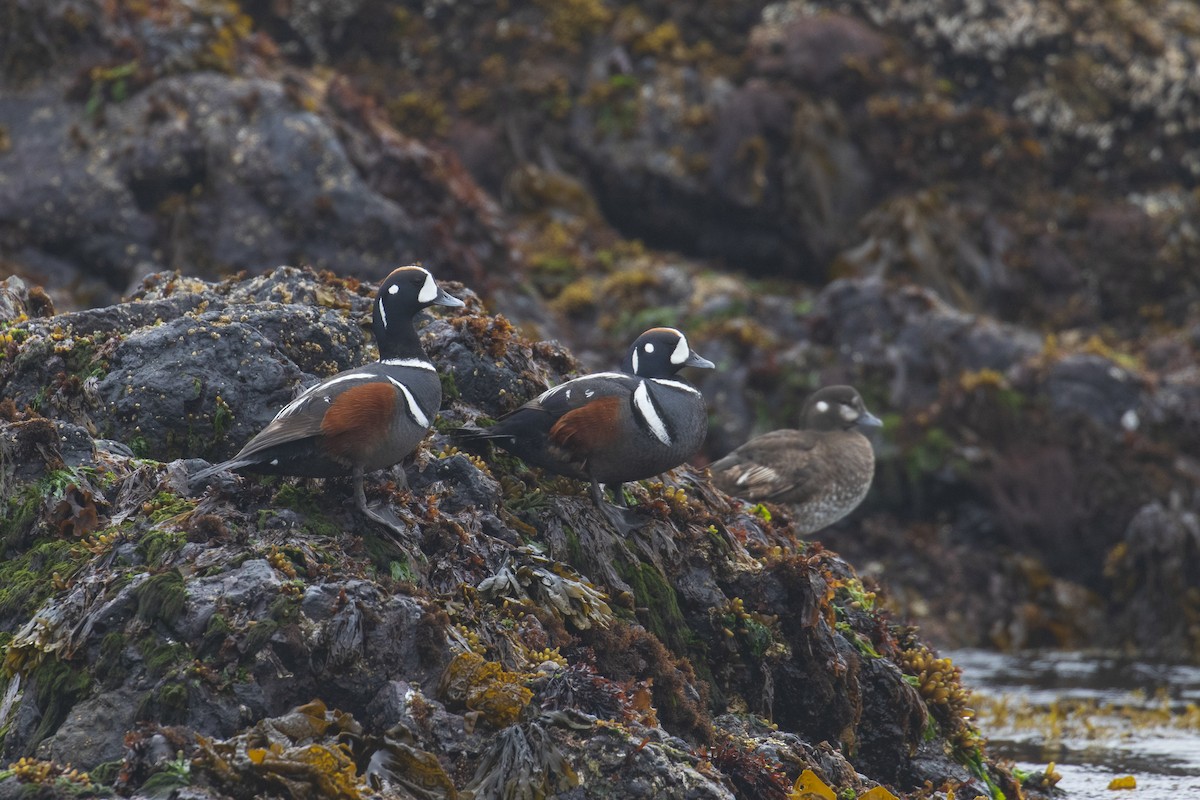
(444, 299)
(697, 360)
(869, 420)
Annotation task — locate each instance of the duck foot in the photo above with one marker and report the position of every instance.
(623, 518)
(397, 531)
(395, 528)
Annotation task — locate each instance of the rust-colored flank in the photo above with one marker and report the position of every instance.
(588, 427)
(358, 419)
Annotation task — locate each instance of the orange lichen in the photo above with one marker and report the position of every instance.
(33, 770)
(486, 687)
(984, 378)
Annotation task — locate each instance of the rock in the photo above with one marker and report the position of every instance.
(146, 618)
(1153, 570)
(812, 48)
(912, 337)
(223, 173)
(93, 733)
(1094, 387)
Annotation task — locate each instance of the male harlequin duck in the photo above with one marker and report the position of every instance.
(612, 427)
(362, 419)
(824, 470)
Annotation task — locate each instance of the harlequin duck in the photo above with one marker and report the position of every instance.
(612, 427)
(362, 419)
(823, 470)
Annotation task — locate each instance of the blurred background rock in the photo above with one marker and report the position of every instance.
(984, 216)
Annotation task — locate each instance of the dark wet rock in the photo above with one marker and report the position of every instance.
(1019, 298)
(812, 48)
(1094, 387)
(221, 173)
(1154, 571)
(94, 732)
(148, 396)
(912, 337)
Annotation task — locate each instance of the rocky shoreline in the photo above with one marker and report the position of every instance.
(984, 219)
(512, 646)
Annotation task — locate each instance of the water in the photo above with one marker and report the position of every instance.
(1097, 717)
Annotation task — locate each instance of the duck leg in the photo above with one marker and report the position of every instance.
(618, 493)
(390, 522)
(624, 519)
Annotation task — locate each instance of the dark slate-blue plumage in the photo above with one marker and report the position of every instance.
(612, 427)
(362, 419)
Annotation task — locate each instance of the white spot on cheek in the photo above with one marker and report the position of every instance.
(274, 462)
(681, 352)
(393, 288)
(429, 291)
(849, 413)
(649, 348)
(822, 406)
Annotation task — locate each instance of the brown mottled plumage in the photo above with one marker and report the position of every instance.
(823, 470)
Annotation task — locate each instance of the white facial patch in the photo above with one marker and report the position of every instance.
(383, 314)
(849, 414)
(822, 406)
(429, 291)
(649, 414)
(649, 348)
(681, 352)
(395, 287)
(414, 410)
(635, 362)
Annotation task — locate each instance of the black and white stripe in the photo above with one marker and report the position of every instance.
(649, 415)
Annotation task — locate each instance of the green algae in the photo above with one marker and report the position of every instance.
(59, 686)
(222, 418)
(161, 597)
(110, 669)
(663, 616)
(165, 506)
(160, 657)
(28, 579)
(157, 544)
(310, 504)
